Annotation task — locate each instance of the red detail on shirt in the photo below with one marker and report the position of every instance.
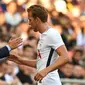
(39, 54)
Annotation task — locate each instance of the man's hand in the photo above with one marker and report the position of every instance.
(40, 75)
(14, 58)
(15, 42)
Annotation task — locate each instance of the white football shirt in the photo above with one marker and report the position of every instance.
(49, 40)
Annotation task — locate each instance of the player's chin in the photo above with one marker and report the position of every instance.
(30, 27)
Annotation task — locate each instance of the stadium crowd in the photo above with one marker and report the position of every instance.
(66, 16)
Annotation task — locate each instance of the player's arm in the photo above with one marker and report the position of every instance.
(57, 44)
(17, 59)
(63, 59)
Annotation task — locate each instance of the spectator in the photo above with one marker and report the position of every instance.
(78, 53)
(12, 16)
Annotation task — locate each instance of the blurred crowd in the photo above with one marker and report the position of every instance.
(66, 16)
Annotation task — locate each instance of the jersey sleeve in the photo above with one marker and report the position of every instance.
(55, 40)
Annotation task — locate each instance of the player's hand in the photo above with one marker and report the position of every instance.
(15, 42)
(14, 58)
(40, 75)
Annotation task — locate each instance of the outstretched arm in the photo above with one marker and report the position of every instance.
(17, 59)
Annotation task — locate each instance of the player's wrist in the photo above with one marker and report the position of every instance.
(48, 69)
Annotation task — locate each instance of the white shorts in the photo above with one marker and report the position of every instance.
(51, 79)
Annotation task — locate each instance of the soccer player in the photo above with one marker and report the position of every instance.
(51, 50)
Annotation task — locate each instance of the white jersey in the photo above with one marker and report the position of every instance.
(48, 43)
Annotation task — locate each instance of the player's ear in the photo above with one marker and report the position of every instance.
(38, 20)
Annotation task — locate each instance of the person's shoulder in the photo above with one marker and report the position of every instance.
(52, 31)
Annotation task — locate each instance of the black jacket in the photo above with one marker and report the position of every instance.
(4, 52)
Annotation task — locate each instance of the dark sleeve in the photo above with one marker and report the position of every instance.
(4, 52)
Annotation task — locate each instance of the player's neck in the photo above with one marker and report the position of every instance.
(43, 28)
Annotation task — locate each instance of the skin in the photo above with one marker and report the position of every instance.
(15, 42)
(37, 25)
